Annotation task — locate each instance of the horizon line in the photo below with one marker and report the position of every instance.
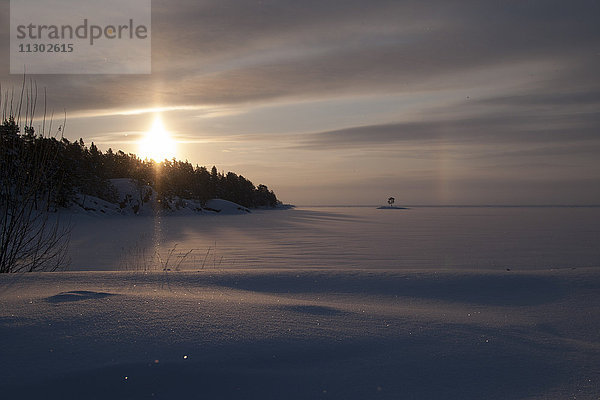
(460, 205)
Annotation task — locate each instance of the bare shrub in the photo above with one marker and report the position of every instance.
(33, 236)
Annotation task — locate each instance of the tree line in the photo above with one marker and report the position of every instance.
(72, 168)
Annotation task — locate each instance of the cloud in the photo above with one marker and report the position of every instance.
(231, 52)
(590, 98)
(488, 95)
(490, 129)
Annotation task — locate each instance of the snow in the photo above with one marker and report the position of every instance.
(131, 197)
(141, 200)
(300, 334)
(225, 207)
(354, 304)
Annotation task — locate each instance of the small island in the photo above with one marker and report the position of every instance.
(391, 205)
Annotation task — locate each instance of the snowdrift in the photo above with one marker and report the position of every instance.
(225, 207)
(301, 334)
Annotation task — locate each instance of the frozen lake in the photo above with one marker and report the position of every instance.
(347, 237)
(352, 303)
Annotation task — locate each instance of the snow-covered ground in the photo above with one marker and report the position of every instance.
(301, 334)
(354, 304)
(133, 198)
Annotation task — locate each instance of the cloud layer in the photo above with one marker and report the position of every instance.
(501, 79)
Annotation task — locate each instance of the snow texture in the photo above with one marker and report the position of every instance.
(301, 334)
(345, 328)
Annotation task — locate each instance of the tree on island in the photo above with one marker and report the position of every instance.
(391, 201)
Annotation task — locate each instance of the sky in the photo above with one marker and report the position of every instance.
(351, 102)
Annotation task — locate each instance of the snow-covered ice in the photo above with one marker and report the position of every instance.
(321, 323)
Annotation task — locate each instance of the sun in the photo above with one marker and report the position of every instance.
(157, 144)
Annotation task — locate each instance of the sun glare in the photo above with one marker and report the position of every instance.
(157, 144)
